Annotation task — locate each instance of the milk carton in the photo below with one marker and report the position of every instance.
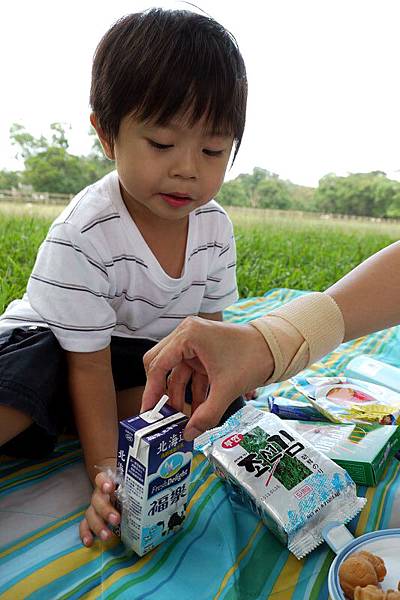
(154, 461)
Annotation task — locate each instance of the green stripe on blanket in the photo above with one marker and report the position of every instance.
(223, 552)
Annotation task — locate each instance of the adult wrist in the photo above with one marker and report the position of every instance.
(261, 354)
(301, 332)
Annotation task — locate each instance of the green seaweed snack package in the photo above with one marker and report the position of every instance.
(294, 488)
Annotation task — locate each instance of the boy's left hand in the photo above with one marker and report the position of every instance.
(100, 513)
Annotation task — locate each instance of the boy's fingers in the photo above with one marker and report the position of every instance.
(85, 533)
(104, 509)
(104, 483)
(97, 525)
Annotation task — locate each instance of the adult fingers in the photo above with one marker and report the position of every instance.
(149, 356)
(208, 414)
(171, 353)
(156, 385)
(169, 340)
(156, 375)
(200, 385)
(176, 385)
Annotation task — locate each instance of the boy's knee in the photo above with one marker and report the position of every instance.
(21, 438)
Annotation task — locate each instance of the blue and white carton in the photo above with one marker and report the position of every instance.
(154, 461)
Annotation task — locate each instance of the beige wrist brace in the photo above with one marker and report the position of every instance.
(301, 332)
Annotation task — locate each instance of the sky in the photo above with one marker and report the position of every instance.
(324, 85)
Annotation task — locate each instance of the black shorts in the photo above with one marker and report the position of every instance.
(33, 379)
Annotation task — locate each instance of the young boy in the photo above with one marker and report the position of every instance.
(138, 251)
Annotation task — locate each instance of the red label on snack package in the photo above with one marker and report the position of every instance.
(232, 440)
(306, 489)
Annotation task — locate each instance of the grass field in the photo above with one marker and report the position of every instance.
(274, 250)
(308, 253)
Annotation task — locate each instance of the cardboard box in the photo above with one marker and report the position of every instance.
(154, 461)
(362, 449)
(375, 371)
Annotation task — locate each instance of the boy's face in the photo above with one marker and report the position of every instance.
(168, 171)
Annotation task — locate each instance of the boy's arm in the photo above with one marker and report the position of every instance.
(93, 399)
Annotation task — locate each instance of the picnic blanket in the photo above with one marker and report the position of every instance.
(222, 552)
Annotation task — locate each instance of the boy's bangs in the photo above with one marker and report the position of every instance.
(216, 106)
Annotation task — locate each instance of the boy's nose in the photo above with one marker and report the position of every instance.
(184, 166)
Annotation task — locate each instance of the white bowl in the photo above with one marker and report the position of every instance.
(385, 543)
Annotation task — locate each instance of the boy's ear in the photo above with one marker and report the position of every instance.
(107, 146)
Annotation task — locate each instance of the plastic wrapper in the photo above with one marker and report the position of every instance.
(294, 488)
(347, 400)
(287, 408)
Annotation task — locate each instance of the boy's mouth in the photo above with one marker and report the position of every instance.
(176, 200)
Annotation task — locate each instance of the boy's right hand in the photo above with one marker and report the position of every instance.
(100, 512)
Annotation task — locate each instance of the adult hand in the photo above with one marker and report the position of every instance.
(223, 359)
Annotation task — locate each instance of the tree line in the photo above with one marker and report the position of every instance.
(50, 167)
(48, 164)
(362, 194)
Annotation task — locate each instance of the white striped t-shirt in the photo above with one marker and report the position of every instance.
(95, 276)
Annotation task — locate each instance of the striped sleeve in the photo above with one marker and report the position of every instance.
(221, 289)
(69, 288)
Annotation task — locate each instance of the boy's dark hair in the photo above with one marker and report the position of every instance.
(160, 63)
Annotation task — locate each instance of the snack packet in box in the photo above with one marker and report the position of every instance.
(344, 400)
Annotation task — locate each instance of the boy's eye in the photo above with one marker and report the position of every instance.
(212, 152)
(159, 146)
